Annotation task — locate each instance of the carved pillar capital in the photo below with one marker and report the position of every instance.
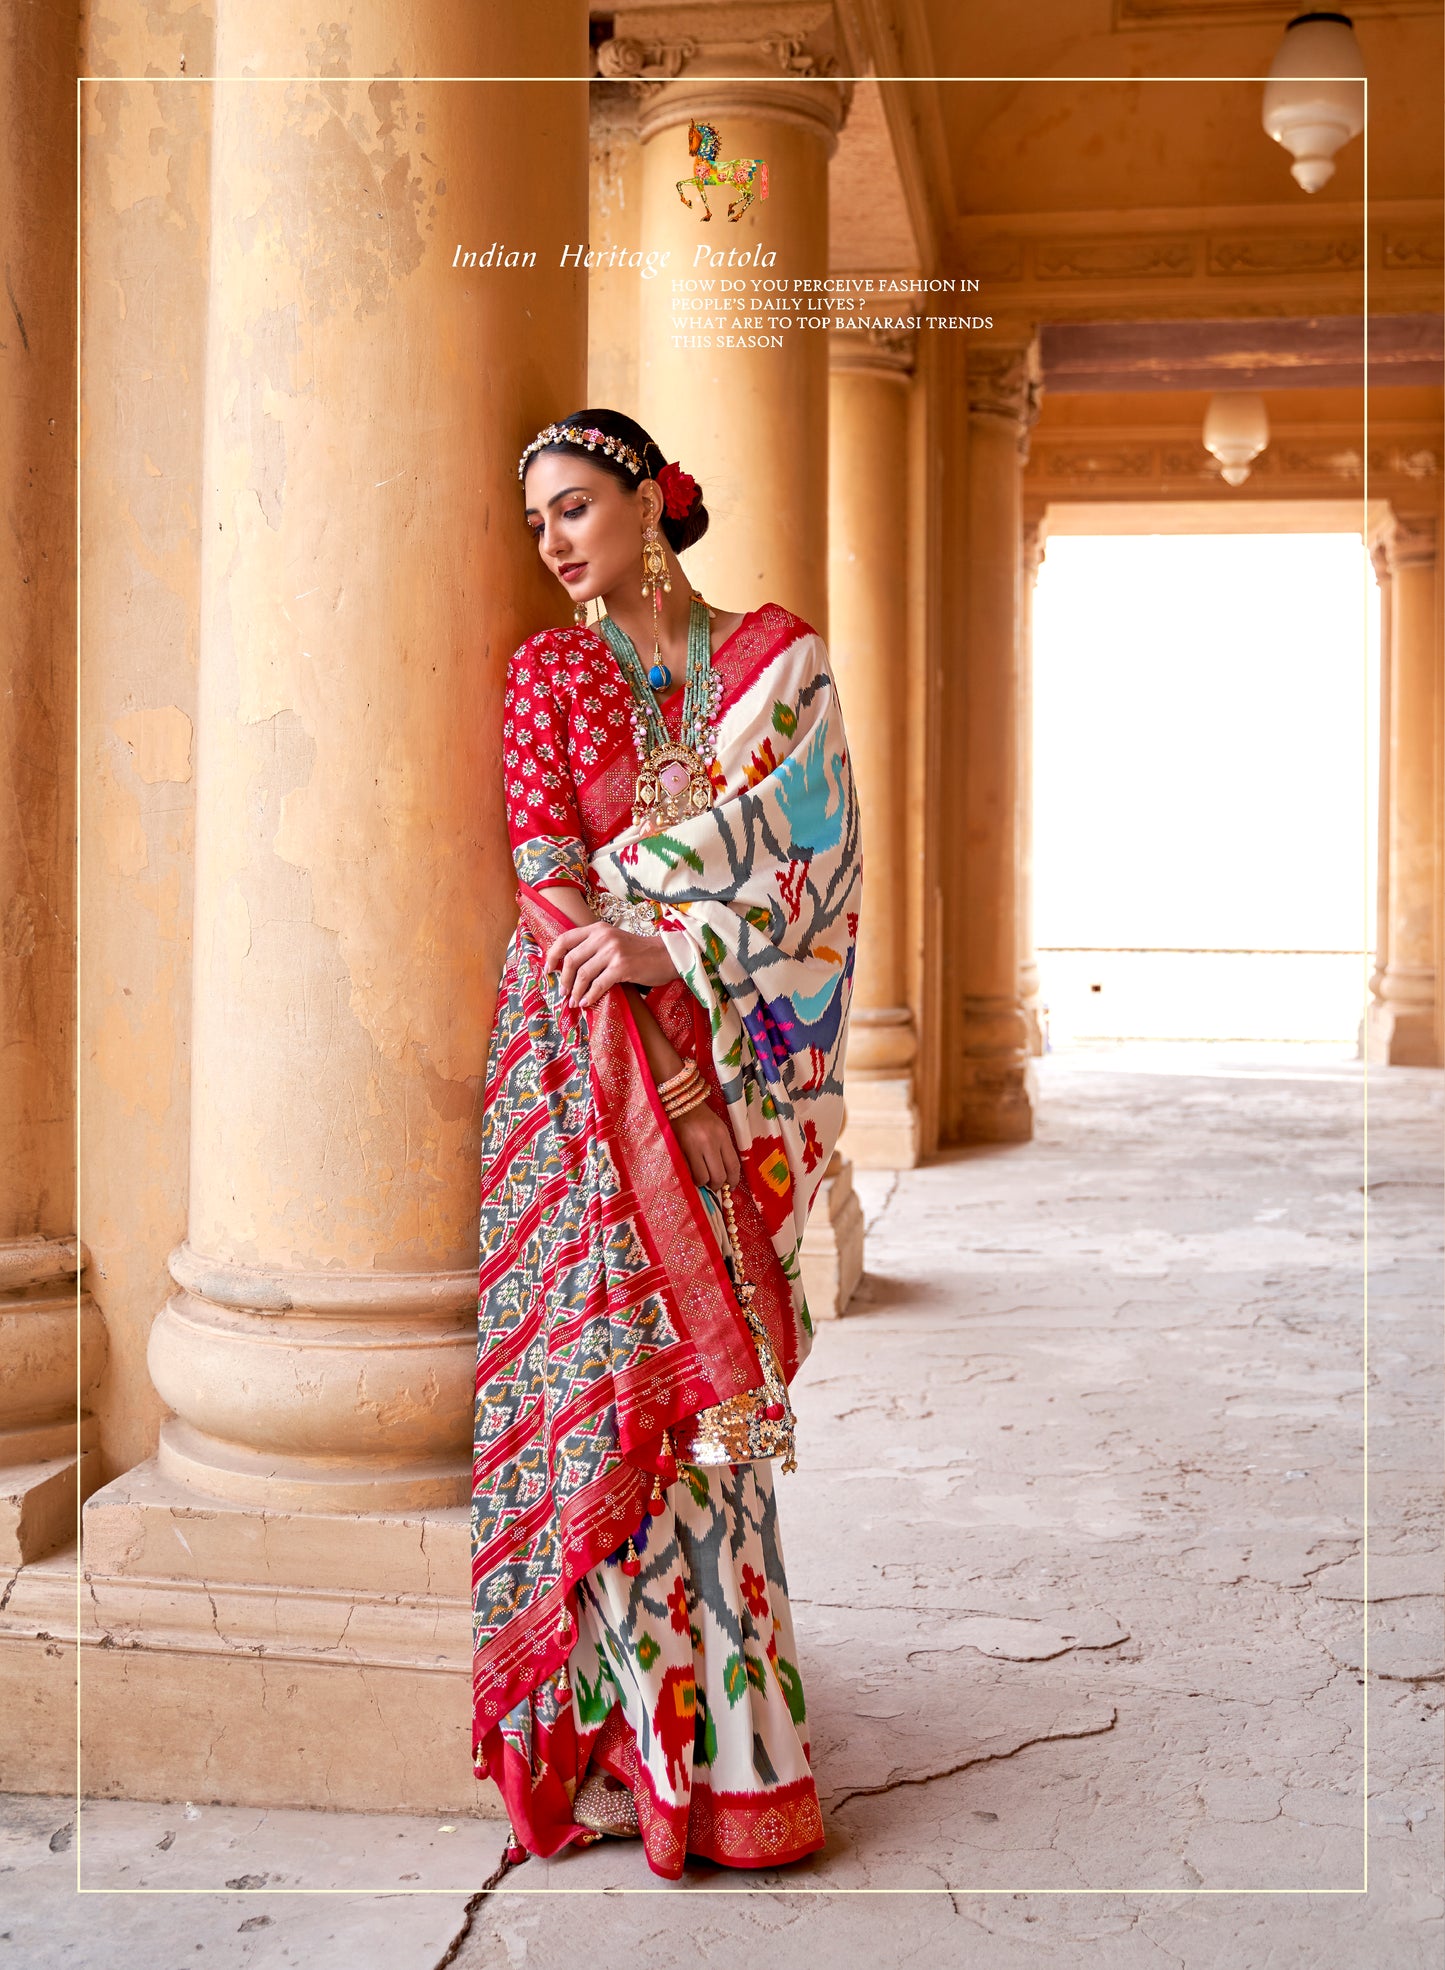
(1404, 540)
(1414, 542)
(882, 351)
(625, 59)
(612, 108)
(781, 62)
(1004, 380)
(1033, 542)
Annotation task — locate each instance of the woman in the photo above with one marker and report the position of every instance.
(663, 1094)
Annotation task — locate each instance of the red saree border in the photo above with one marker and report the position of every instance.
(539, 1806)
(711, 1358)
(770, 1828)
(640, 1138)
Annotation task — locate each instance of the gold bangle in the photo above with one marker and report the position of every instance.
(685, 1105)
(683, 1074)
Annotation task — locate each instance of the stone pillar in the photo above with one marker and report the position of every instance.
(144, 249)
(989, 1086)
(750, 423)
(1402, 1019)
(366, 575)
(868, 608)
(47, 1455)
(1031, 560)
(1380, 558)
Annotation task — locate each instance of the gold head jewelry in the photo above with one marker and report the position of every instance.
(588, 436)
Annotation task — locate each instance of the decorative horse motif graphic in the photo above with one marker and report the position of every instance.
(749, 175)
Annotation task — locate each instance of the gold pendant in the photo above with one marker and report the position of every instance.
(672, 786)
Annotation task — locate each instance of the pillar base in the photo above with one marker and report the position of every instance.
(37, 1674)
(832, 1255)
(236, 1655)
(1034, 1039)
(1401, 1035)
(881, 1132)
(997, 1099)
(42, 1479)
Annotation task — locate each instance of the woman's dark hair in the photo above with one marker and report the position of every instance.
(680, 531)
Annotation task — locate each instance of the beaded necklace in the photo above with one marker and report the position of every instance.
(672, 780)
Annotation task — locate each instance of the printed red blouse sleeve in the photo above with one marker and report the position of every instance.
(542, 819)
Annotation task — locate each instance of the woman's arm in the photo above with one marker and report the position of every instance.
(592, 958)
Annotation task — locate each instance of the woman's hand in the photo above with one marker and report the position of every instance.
(596, 956)
(707, 1142)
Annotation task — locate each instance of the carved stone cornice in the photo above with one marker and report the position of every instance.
(1307, 462)
(882, 351)
(1127, 15)
(779, 61)
(1222, 260)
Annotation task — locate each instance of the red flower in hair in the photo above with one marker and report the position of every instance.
(679, 491)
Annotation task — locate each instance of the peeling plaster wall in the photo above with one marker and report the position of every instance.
(366, 576)
(37, 606)
(144, 243)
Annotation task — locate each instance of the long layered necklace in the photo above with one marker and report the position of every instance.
(673, 780)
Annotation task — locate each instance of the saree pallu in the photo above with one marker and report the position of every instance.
(607, 1313)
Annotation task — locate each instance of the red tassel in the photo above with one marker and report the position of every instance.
(566, 1627)
(775, 1412)
(631, 1564)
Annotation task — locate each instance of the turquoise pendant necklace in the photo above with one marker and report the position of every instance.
(672, 780)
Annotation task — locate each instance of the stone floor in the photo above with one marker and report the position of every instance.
(1077, 1558)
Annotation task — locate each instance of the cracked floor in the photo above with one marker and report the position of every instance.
(1077, 1566)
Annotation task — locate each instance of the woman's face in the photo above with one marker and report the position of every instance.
(586, 523)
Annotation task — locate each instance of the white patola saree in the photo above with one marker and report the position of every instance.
(631, 1608)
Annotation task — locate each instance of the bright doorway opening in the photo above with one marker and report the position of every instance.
(1205, 779)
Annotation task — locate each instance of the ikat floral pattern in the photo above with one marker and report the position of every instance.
(760, 898)
(688, 1673)
(606, 1312)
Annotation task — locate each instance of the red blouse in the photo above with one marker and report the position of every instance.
(569, 761)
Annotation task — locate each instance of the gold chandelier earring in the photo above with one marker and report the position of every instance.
(655, 579)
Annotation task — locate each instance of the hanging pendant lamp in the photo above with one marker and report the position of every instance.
(1314, 100)
(1236, 431)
